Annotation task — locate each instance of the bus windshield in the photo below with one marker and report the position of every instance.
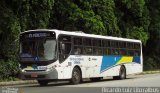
(39, 50)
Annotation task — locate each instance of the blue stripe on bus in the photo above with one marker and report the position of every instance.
(109, 61)
(136, 59)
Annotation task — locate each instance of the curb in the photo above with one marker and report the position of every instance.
(151, 72)
(18, 82)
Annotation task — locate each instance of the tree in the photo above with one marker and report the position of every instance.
(106, 10)
(133, 19)
(17, 16)
(76, 15)
(152, 50)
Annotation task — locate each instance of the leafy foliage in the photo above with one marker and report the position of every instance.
(152, 48)
(8, 69)
(17, 16)
(132, 20)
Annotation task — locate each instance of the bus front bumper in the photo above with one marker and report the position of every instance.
(39, 75)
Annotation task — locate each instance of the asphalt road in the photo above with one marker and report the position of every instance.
(149, 80)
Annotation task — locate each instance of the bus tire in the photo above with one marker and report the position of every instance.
(76, 76)
(42, 82)
(122, 73)
(96, 79)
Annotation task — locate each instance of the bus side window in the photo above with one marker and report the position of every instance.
(97, 51)
(87, 43)
(105, 51)
(77, 40)
(88, 50)
(97, 46)
(78, 47)
(77, 50)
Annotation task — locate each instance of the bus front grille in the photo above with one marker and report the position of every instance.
(38, 76)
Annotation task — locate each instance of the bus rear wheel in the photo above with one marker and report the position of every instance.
(76, 76)
(42, 82)
(122, 74)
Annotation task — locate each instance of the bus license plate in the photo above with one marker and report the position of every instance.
(34, 76)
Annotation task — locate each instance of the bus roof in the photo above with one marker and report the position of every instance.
(80, 33)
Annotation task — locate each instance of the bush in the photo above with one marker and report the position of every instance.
(8, 70)
(150, 63)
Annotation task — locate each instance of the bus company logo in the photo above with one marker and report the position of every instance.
(76, 60)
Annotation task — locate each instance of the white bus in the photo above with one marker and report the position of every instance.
(48, 55)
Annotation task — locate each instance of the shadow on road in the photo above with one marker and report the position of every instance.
(64, 83)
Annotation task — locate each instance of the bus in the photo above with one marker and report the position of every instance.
(48, 55)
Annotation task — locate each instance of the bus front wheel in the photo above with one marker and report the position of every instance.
(76, 76)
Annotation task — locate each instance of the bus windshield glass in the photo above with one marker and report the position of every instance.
(42, 49)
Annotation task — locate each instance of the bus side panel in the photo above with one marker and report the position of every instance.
(60, 72)
(70, 63)
(97, 61)
(89, 65)
(64, 70)
(99, 66)
(133, 68)
(67, 72)
(113, 71)
(92, 66)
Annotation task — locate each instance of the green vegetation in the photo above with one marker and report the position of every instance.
(139, 19)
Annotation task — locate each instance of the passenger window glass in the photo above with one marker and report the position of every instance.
(116, 44)
(107, 51)
(77, 41)
(130, 45)
(123, 44)
(115, 52)
(88, 50)
(122, 52)
(113, 44)
(78, 50)
(137, 46)
(97, 42)
(137, 52)
(97, 51)
(106, 43)
(87, 42)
